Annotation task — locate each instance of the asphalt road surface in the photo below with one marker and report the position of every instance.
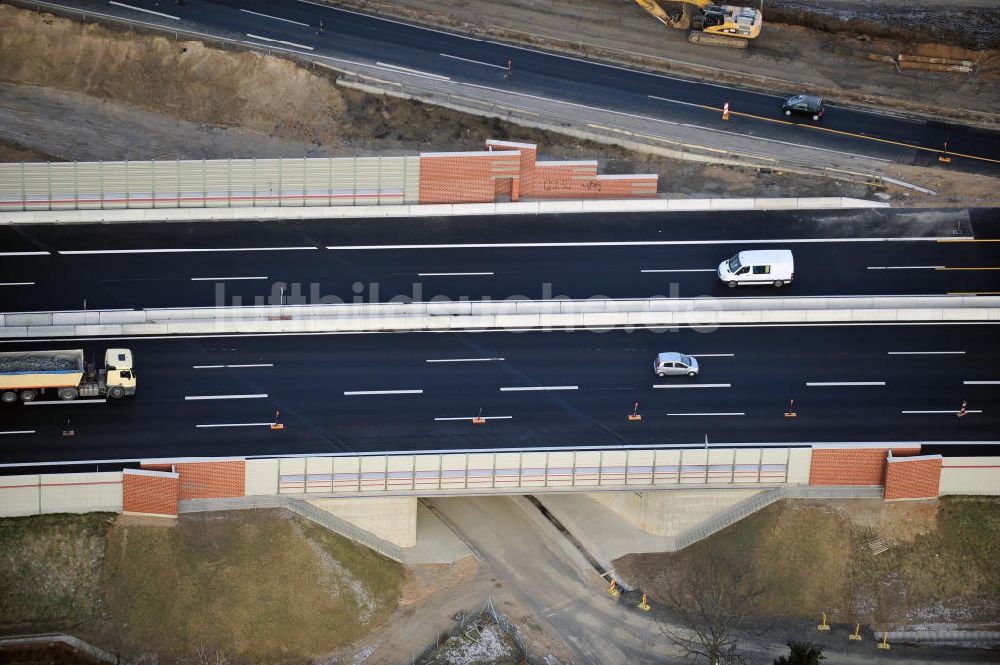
(215, 396)
(837, 253)
(349, 39)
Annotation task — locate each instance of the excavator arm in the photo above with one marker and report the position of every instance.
(682, 21)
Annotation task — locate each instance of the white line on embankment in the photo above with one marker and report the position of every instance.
(24, 253)
(274, 18)
(192, 398)
(17, 283)
(145, 11)
(678, 270)
(66, 402)
(180, 250)
(633, 243)
(825, 384)
(231, 366)
(453, 274)
(383, 392)
(414, 72)
(981, 383)
(521, 389)
(904, 267)
(721, 413)
(472, 417)
(19, 431)
(463, 360)
(949, 411)
(236, 425)
(474, 62)
(280, 41)
(926, 353)
(695, 385)
(223, 279)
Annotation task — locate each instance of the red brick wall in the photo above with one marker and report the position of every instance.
(475, 177)
(156, 467)
(851, 466)
(464, 177)
(150, 493)
(913, 478)
(212, 480)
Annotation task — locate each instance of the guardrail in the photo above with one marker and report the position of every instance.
(512, 314)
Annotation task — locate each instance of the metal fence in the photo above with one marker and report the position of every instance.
(215, 183)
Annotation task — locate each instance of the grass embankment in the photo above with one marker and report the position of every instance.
(258, 586)
(814, 556)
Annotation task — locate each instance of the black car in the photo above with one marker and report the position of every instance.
(804, 105)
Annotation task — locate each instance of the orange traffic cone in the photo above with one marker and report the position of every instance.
(725, 111)
(635, 413)
(962, 412)
(791, 409)
(276, 424)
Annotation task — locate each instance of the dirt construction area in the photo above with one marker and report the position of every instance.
(73, 91)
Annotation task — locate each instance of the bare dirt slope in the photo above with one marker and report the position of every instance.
(796, 45)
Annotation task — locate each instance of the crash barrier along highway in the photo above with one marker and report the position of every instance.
(175, 214)
(553, 314)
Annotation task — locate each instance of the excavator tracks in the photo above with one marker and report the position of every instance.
(709, 39)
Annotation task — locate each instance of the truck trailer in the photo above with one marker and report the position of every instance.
(27, 375)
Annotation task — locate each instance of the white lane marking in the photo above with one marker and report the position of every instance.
(17, 283)
(821, 384)
(146, 11)
(981, 383)
(19, 431)
(237, 425)
(179, 250)
(926, 353)
(520, 389)
(415, 72)
(221, 366)
(222, 279)
(695, 385)
(463, 360)
(472, 417)
(24, 253)
(452, 274)
(276, 18)
(904, 267)
(632, 243)
(383, 392)
(950, 411)
(66, 402)
(475, 62)
(676, 101)
(679, 270)
(192, 398)
(712, 355)
(280, 41)
(721, 413)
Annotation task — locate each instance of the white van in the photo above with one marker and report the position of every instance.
(758, 266)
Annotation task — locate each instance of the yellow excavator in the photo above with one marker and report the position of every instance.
(716, 25)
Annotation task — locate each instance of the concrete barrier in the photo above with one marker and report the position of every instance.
(436, 210)
(516, 314)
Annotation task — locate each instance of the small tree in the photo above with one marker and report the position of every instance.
(801, 653)
(711, 598)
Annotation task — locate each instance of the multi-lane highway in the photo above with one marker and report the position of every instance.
(405, 392)
(354, 40)
(856, 252)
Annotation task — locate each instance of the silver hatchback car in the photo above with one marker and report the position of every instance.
(675, 364)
